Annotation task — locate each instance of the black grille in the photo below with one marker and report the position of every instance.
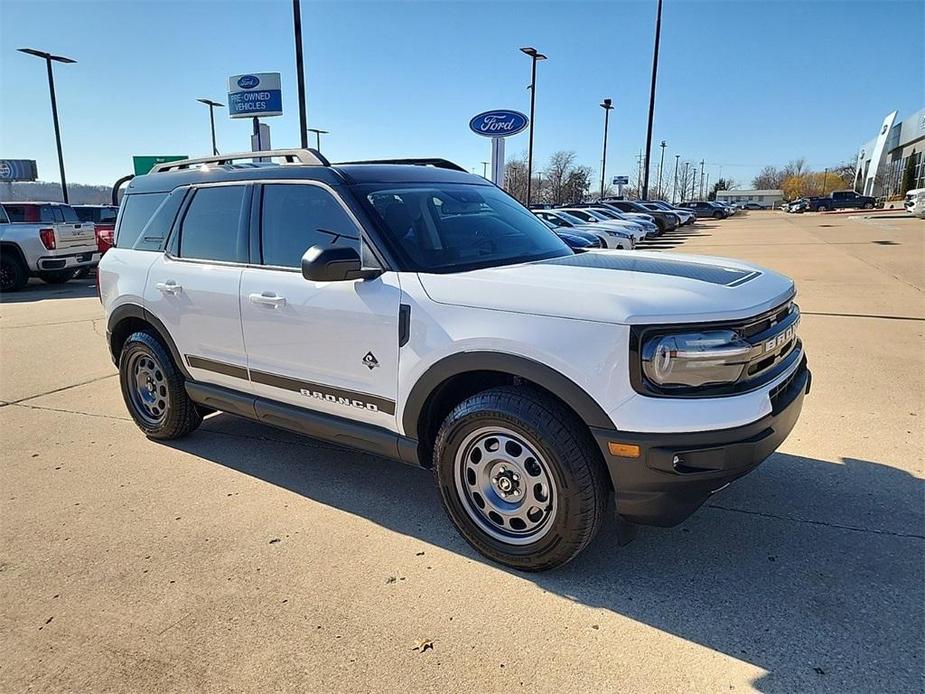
(765, 322)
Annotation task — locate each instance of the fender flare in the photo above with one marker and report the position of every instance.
(124, 311)
(13, 247)
(561, 386)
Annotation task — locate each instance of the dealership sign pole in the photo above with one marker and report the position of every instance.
(256, 95)
(498, 125)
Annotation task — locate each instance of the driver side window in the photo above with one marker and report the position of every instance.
(295, 217)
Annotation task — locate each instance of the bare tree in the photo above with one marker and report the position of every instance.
(515, 177)
(556, 174)
(769, 178)
(795, 167)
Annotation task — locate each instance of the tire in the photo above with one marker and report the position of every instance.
(13, 276)
(153, 389)
(717, 215)
(57, 276)
(555, 482)
(868, 206)
(822, 208)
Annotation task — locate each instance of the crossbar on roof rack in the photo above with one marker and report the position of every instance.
(308, 157)
(439, 163)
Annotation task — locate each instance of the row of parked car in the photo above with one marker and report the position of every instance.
(52, 241)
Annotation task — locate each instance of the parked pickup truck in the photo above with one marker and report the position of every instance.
(43, 239)
(840, 200)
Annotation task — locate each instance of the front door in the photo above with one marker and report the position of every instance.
(325, 346)
(193, 287)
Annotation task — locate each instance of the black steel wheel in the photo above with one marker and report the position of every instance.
(153, 389)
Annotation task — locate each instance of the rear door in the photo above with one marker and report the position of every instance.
(325, 346)
(193, 287)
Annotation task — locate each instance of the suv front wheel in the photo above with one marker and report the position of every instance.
(153, 389)
(519, 478)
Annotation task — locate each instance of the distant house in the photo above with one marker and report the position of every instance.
(765, 198)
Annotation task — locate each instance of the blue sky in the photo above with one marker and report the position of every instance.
(741, 84)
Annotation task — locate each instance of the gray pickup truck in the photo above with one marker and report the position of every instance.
(45, 240)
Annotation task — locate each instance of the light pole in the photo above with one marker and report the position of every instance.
(674, 188)
(684, 181)
(701, 179)
(607, 105)
(485, 169)
(825, 176)
(48, 57)
(661, 165)
(535, 56)
(211, 104)
(300, 71)
(658, 34)
(318, 134)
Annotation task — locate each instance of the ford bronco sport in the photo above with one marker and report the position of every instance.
(415, 311)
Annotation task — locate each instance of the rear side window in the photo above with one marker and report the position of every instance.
(86, 214)
(212, 224)
(296, 217)
(136, 211)
(157, 229)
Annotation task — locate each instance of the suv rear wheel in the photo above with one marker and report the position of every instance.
(822, 208)
(519, 478)
(153, 389)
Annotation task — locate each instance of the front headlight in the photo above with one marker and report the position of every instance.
(695, 359)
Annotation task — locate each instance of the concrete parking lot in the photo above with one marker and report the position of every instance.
(246, 559)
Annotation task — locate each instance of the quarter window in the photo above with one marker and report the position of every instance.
(211, 227)
(136, 211)
(296, 217)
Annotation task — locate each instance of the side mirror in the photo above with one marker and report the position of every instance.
(334, 264)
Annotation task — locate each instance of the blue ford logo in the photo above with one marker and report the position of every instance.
(248, 82)
(498, 123)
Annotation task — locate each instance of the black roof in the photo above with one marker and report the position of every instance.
(335, 174)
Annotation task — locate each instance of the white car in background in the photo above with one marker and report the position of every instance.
(915, 203)
(589, 217)
(612, 238)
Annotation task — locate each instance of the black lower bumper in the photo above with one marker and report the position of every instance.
(675, 473)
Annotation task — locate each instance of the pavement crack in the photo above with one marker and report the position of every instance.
(66, 411)
(859, 315)
(62, 388)
(807, 521)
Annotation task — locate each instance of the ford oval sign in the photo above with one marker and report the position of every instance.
(248, 82)
(498, 123)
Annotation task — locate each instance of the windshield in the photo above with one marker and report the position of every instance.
(457, 227)
(572, 219)
(606, 214)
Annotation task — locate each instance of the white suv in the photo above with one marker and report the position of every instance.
(415, 311)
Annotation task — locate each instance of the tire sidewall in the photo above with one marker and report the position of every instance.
(456, 428)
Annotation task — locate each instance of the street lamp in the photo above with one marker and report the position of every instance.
(661, 164)
(300, 71)
(658, 34)
(674, 188)
(48, 57)
(318, 134)
(536, 56)
(607, 105)
(212, 104)
(484, 169)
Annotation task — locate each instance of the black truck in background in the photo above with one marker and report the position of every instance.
(840, 200)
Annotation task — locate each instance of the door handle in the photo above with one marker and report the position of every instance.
(169, 287)
(267, 299)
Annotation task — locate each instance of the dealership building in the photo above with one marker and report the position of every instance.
(765, 198)
(892, 161)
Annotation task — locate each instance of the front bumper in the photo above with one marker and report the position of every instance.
(65, 262)
(675, 473)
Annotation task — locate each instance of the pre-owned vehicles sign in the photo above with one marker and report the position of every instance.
(255, 94)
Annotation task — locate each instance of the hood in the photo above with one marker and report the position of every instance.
(628, 287)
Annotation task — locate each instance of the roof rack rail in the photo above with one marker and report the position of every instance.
(310, 157)
(439, 163)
